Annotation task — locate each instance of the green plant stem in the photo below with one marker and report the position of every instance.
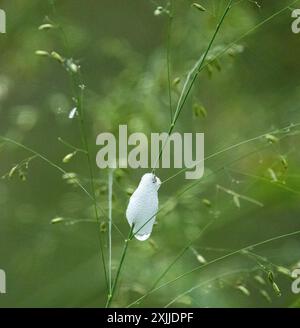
(110, 185)
(45, 159)
(221, 53)
(77, 88)
(177, 113)
(209, 281)
(202, 65)
(60, 169)
(70, 146)
(180, 105)
(219, 259)
(190, 186)
(279, 185)
(79, 99)
(249, 247)
(124, 252)
(192, 76)
(180, 254)
(241, 143)
(170, 19)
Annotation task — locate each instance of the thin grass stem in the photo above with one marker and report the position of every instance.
(216, 260)
(78, 87)
(208, 281)
(79, 100)
(224, 150)
(124, 252)
(191, 78)
(170, 19)
(110, 186)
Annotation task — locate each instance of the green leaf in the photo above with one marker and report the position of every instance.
(243, 290)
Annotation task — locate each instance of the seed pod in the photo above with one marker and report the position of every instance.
(12, 171)
(103, 227)
(72, 113)
(284, 162)
(200, 259)
(276, 289)
(271, 139)
(68, 157)
(57, 220)
(22, 175)
(42, 53)
(129, 191)
(198, 6)
(45, 27)
(235, 49)
(260, 279)
(71, 66)
(273, 175)
(284, 271)
(70, 177)
(176, 81)
(74, 68)
(265, 295)
(271, 277)
(206, 202)
(158, 11)
(273, 283)
(199, 110)
(243, 290)
(236, 201)
(57, 57)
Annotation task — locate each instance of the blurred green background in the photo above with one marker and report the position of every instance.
(121, 48)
